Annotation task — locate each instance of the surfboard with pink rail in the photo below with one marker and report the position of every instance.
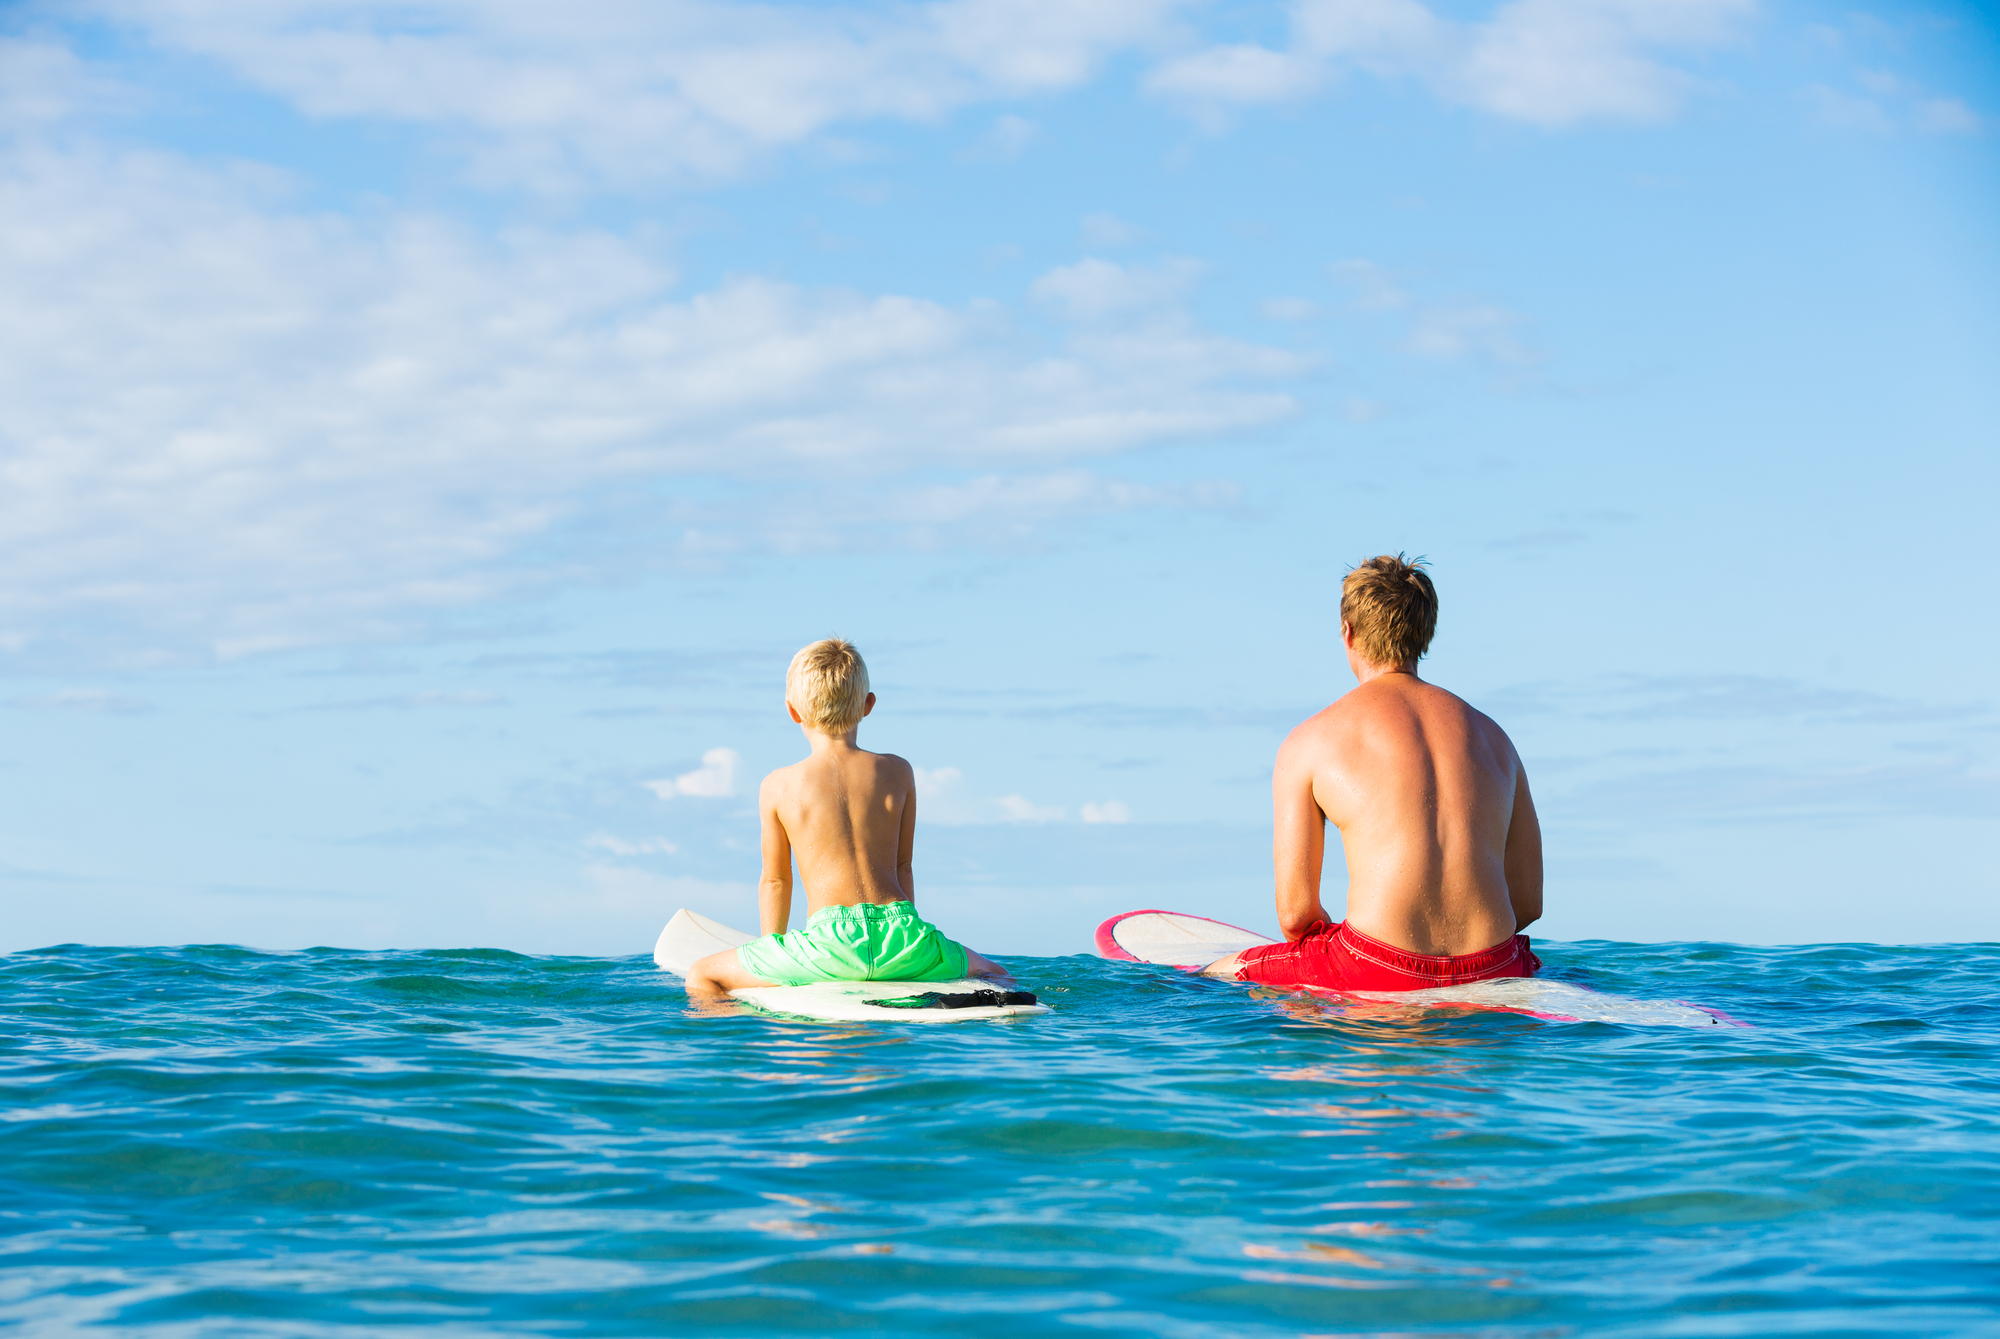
(1176, 939)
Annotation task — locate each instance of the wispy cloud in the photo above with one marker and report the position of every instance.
(1867, 90)
(1545, 62)
(944, 798)
(1439, 329)
(1743, 697)
(603, 91)
(43, 84)
(1948, 787)
(1014, 512)
(82, 699)
(604, 841)
(427, 699)
(355, 423)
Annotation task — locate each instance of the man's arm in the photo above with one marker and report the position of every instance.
(1298, 842)
(774, 889)
(1524, 855)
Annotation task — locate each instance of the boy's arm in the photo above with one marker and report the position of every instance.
(774, 889)
(906, 841)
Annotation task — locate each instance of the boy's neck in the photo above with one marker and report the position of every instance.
(821, 742)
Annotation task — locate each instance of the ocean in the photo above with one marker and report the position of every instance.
(218, 1141)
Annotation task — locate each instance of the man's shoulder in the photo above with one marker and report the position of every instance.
(1319, 733)
(1366, 709)
(1441, 707)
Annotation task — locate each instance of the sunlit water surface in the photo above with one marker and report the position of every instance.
(212, 1141)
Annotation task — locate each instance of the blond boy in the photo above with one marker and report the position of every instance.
(850, 816)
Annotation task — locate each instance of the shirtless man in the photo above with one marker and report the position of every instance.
(851, 816)
(1444, 855)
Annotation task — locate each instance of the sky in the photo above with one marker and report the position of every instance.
(428, 429)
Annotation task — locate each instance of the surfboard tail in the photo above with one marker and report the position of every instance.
(689, 937)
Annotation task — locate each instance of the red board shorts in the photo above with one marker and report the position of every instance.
(1334, 957)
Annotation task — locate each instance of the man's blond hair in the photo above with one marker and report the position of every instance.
(1393, 608)
(828, 683)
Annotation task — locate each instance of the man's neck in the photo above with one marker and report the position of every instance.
(1367, 671)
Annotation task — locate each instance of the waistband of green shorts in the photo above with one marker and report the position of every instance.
(865, 911)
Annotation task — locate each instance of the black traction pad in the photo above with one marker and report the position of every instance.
(970, 999)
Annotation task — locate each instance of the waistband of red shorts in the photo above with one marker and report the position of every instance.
(1374, 950)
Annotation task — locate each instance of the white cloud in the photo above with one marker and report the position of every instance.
(1476, 331)
(1443, 330)
(1240, 74)
(1288, 309)
(1008, 139)
(228, 426)
(1846, 111)
(1892, 104)
(942, 798)
(1093, 289)
(1948, 116)
(620, 899)
(1021, 809)
(428, 699)
(604, 841)
(82, 699)
(1545, 62)
(1111, 811)
(1012, 512)
(1106, 229)
(715, 778)
(43, 84)
(1374, 288)
(608, 89)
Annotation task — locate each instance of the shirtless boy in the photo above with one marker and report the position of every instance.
(851, 817)
(1444, 854)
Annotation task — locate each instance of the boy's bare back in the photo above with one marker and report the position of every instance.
(850, 816)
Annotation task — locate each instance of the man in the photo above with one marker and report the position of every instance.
(1444, 855)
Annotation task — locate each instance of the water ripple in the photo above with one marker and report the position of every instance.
(210, 1140)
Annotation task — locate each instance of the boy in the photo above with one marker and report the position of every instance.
(851, 815)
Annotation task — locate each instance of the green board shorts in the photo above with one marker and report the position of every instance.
(875, 941)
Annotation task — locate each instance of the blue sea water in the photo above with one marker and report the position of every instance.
(214, 1141)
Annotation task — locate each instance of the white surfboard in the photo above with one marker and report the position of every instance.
(691, 936)
(1174, 939)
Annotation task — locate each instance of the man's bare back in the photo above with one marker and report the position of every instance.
(1444, 852)
(1443, 849)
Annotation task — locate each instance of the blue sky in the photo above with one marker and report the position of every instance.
(429, 428)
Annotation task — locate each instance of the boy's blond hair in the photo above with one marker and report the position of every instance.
(828, 683)
(1393, 608)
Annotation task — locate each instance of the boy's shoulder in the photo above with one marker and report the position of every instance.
(783, 778)
(800, 772)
